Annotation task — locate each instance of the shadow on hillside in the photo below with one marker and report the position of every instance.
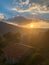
(39, 55)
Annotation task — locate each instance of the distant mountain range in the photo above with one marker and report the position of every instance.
(23, 20)
(37, 16)
(4, 28)
(19, 20)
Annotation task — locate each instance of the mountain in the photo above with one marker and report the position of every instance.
(4, 28)
(27, 20)
(38, 17)
(19, 20)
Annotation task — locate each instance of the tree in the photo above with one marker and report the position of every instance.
(35, 59)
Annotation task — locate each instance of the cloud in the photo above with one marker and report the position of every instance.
(21, 10)
(2, 16)
(34, 8)
(26, 2)
(42, 24)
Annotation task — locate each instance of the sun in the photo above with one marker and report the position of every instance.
(31, 25)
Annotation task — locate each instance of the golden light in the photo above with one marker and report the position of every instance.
(31, 25)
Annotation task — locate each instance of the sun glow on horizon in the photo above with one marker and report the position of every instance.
(40, 24)
(31, 25)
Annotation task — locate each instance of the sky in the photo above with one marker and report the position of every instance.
(27, 8)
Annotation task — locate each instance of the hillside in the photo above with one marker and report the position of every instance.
(4, 28)
(32, 45)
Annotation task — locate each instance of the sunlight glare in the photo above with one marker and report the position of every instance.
(31, 25)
